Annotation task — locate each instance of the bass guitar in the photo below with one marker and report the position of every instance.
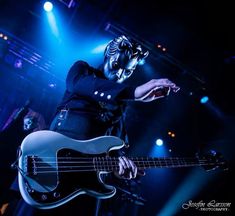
(54, 169)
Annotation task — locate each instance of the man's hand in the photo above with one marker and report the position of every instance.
(154, 89)
(127, 168)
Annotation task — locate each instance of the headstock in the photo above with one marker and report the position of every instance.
(212, 160)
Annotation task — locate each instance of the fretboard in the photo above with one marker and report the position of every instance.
(87, 164)
(111, 164)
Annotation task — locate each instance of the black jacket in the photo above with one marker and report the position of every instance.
(96, 105)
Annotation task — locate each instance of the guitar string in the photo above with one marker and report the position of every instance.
(113, 166)
(140, 158)
(111, 158)
(102, 167)
(110, 162)
(95, 165)
(115, 161)
(149, 164)
(117, 166)
(95, 169)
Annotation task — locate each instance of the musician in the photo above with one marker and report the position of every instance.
(94, 105)
(95, 99)
(20, 123)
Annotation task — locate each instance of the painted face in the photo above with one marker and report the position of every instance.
(119, 67)
(29, 124)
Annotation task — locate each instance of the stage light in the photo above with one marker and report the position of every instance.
(1, 35)
(52, 85)
(5, 37)
(160, 47)
(141, 62)
(48, 6)
(18, 63)
(159, 142)
(99, 49)
(204, 99)
(171, 134)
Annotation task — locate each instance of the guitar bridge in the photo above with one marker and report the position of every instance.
(30, 165)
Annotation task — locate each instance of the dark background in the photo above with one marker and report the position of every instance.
(199, 38)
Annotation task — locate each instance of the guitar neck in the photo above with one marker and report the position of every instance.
(111, 164)
(170, 162)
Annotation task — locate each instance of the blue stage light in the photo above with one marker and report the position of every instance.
(99, 49)
(141, 62)
(159, 142)
(204, 99)
(48, 6)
